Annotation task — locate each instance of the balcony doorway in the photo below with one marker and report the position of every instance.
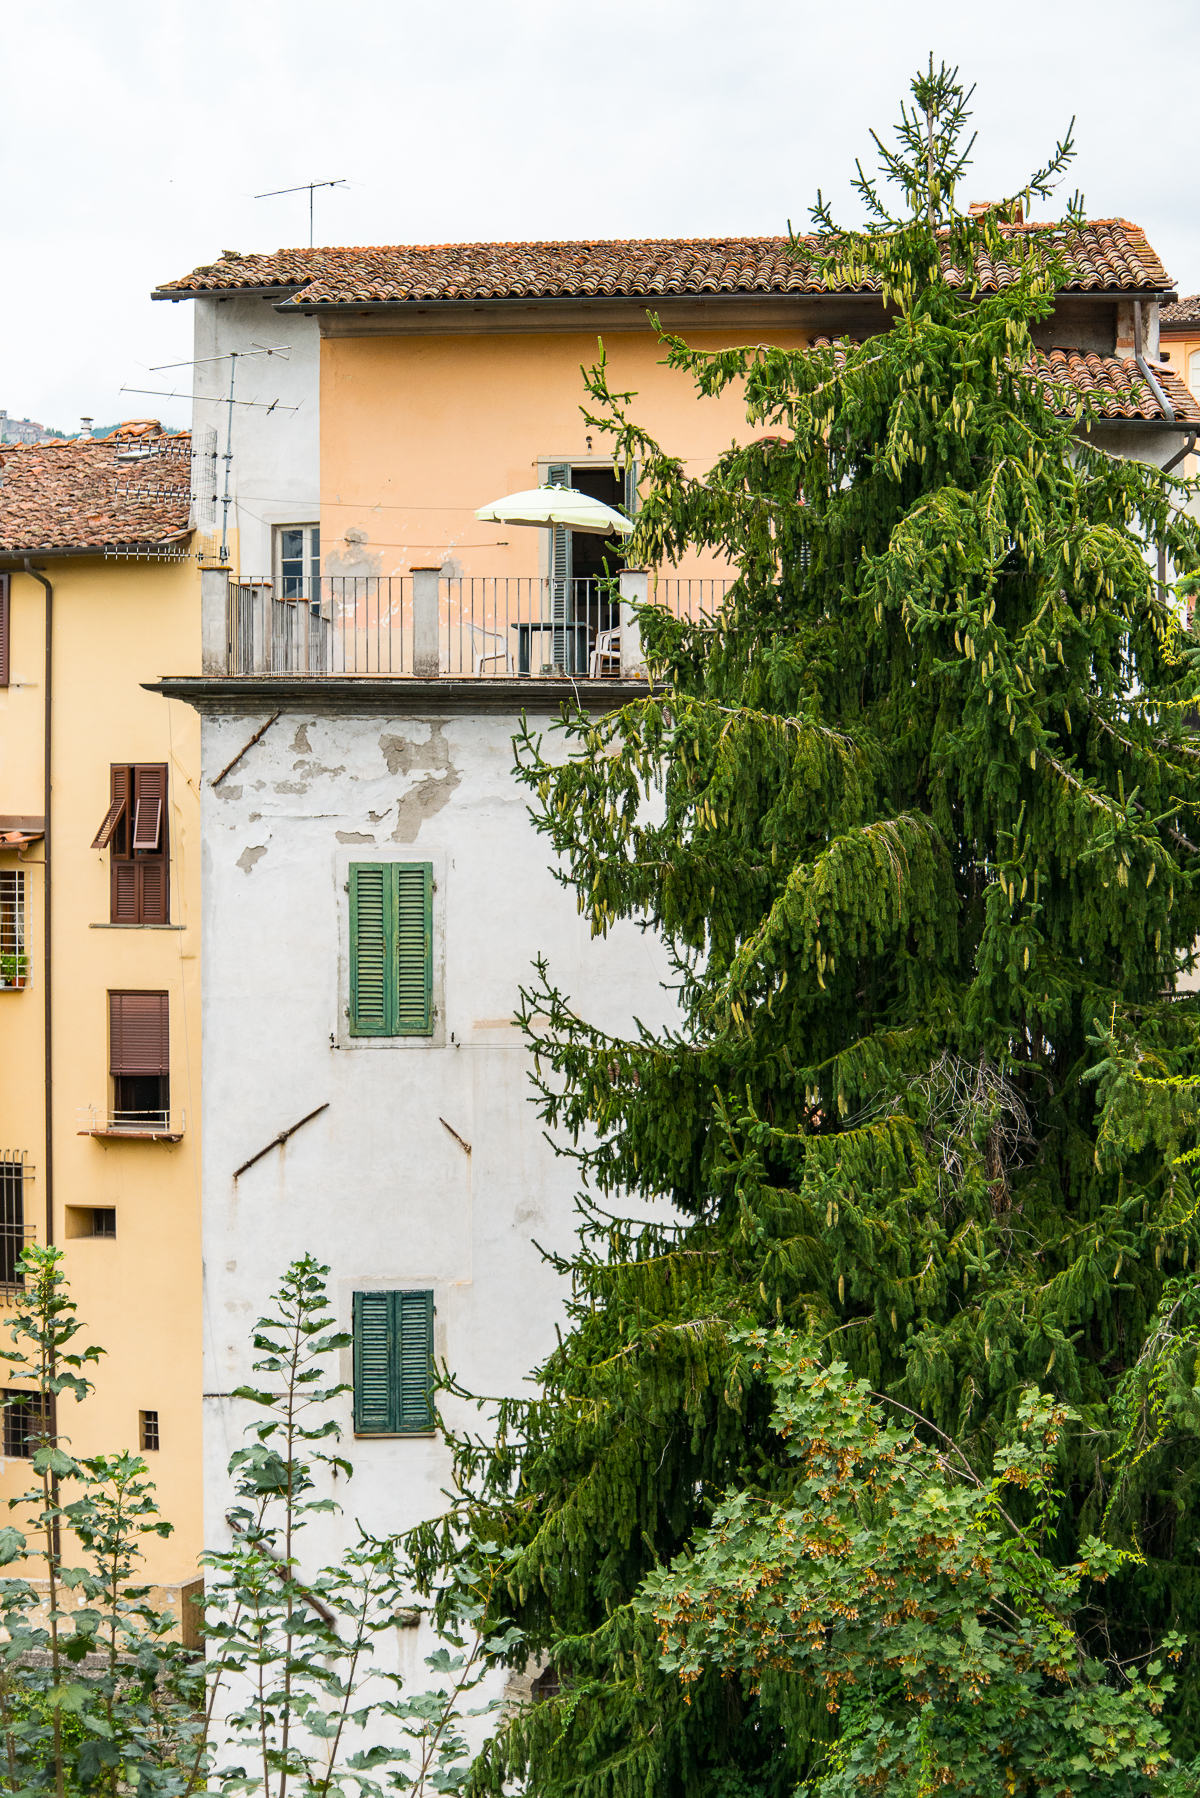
(594, 558)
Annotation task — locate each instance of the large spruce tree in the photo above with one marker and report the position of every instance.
(917, 814)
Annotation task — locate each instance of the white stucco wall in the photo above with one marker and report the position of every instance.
(275, 474)
(377, 1186)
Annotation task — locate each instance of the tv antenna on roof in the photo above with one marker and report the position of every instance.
(305, 187)
(233, 357)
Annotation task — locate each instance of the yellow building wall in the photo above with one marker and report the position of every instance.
(115, 625)
(416, 432)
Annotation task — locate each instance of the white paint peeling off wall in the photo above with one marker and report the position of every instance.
(377, 1185)
(276, 470)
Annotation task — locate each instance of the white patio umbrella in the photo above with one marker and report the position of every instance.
(546, 506)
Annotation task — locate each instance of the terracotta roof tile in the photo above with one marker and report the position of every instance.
(1108, 255)
(1115, 383)
(1184, 311)
(84, 493)
(1118, 386)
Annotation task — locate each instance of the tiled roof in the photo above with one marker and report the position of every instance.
(1114, 383)
(1118, 386)
(1108, 255)
(1185, 311)
(84, 493)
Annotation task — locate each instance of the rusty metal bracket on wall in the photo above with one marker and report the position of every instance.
(260, 732)
(277, 1141)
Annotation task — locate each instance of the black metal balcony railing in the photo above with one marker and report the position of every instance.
(473, 626)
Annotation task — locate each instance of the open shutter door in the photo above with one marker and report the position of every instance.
(372, 965)
(374, 1389)
(5, 627)
(414, 947)
(138, 1033)
(112, 818)
(414, 1319)
(149, 795)
(559, 475)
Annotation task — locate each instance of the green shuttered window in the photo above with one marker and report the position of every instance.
(393, 1363)
(391, 948)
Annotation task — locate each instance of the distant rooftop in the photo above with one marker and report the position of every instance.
(133, 487)
(1181, 312)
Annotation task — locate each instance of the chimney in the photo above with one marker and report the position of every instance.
(85, 429)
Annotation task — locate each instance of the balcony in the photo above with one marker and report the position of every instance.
(473, 627)
(130, 1126)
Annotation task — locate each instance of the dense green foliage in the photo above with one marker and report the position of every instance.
(916, 815)
(905, 1589)
(96, 1693)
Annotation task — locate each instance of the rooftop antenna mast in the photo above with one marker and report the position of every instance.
(233, 357)
(305, 187)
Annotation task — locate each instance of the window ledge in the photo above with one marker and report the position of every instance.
(134, 1135)
(395, 1435)
(137, 926)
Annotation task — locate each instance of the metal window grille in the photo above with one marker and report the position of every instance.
(13, 1174)
(148, 1420)
(14, 963)
(24, 1422)
(104, 1220)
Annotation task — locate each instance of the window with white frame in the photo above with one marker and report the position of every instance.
(14, 963)
(298, 561)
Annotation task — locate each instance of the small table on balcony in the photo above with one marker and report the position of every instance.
(576, 639)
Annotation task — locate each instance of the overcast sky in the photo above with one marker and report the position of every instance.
(136, 133)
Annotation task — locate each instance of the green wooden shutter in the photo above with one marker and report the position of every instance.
(393, 1362)
(372, 931)
(391, 949)
(374, 1387)
(559, 475)
(414, 947)
(414, 1359)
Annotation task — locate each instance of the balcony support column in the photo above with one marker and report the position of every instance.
(426, 596)
(635, 589)
(214, 621)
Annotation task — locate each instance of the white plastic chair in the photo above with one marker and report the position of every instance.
(606, 648)
(490, 655)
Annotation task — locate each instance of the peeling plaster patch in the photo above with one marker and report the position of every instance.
(291, 786)
(356, 558)
(300, 742)
(254, 817)
(422, 802)
(451, 569)
(402, 755)
(248, 857)
(312, 771)
(227, 793)
(378, 817)
(352, 836)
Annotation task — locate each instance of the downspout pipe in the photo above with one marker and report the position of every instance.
(1168, 411)
(48, 1026)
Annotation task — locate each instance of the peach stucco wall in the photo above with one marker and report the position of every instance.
(138, 1293)
(419, 431)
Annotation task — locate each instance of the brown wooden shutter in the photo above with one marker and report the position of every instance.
(138, 1040)
(112, 818)
(122, 792)
(136, 823)
(5, 586)
(149, 792)
(125, 885)
(152, 900)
